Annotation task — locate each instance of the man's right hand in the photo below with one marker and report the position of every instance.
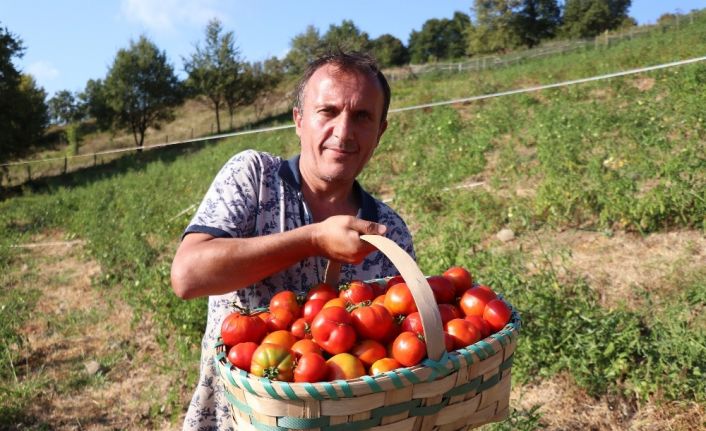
(338, 238)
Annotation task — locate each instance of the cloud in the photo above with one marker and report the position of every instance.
(43, 71)
(168, 15)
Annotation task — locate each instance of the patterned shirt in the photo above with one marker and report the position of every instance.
(257, 194)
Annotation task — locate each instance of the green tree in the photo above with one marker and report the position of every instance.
(589, 18)
(495, 27)
(346, 37)
(389, 51)
(94, 101)
(268, 75)
(65, 107)
(305, 47)
(440, 39)
(141, 88)
(537, 20)
(214, 69)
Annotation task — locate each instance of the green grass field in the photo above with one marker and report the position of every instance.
(626, 155)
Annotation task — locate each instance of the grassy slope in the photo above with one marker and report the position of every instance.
(604, 156)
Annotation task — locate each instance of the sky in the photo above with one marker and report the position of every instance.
(68, 42)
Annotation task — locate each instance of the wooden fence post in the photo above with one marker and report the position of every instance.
(95, 159)
(29, 173)
(65, 164)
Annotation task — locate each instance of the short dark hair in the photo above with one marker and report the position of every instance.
(348, 62)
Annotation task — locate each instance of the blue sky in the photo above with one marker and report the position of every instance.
(69, 42)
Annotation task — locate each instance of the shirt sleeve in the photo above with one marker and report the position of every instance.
(230, 206)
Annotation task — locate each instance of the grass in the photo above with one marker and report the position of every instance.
(602, 156)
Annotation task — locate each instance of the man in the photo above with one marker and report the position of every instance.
(268, 224)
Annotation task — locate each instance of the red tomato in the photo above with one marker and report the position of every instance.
(372, 321)
(409, 349)
(333, 330)
(384, 365)
(497, 314)
(239, 328)
(474, 300)
(312, 307)
(282, 337)
(460, 278)
(356, 291)
(288, 300)
(379, 287)
(301, 328)
(336, 302)
(449, 312)
(272, 361)
(444, 292)
(481, 325)
(448, 341)
(279, 319)
(306, 345)
(322, 291)
(344, 366)
(413, 323)
(394, 280)
(463, 333)
(379, 300)
(240, 355)
(311, 367)
(399, 300)
(368, 351)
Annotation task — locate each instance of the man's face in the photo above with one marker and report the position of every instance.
(339, 124)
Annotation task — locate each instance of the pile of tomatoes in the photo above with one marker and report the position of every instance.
(356, 329)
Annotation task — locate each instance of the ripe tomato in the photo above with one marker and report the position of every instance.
(279, 319)
(379, 300)
(301, 328)
(311, 308)
(463, 332)
(448, 341)
(306, 345)
(413, 323)
(448, 312)
(394, 280)
(310, 367)
(344, 366)
(384, 365)
(481, 325)
(379, 287)
(372, 321)
(239, 328)
(497, 314)
(288, 300)
(336, 302)
(409, 349)
(322, 291)
(333, 330)
(460, 278)
(272, 361)
(356, 291)
(474, 300)
(399, 300)
(240, 355)
(282, 337)
(368, 351)
(444, 291)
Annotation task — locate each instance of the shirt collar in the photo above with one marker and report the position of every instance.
(290, 174)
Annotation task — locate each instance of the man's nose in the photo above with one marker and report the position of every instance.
(344, 127)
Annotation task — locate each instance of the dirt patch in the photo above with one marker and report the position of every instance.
(564, 406)
(75, 323)
(644, 84)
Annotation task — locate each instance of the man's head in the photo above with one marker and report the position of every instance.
(340, 114)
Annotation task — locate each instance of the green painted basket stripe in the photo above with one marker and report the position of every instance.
(219, 343)
(220, 356)
(429, 410)
(456, 362)
(372, 383)
(467, 355)
(464, 388)
(328, 387)
(287, 389)
(489, 383)
(487, 347)
(312, 391)
(478, 351)
(243, 378)
(409, 375)
(396, 380)
(303, 423)
(345, 387)
(237, 404)
(501, 337)
(229, 376)
(267, 384)
(507, 363)
(353, 426)
(395, 408)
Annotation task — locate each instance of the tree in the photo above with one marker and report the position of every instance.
(214, 69)
(65, 108)
(537, 20)
(440, 39)
(141, 88)
(94, 101)
(271, 73)
(346, 37)
(389, 51)
(305, 48)
(495, 27)
(589, 18)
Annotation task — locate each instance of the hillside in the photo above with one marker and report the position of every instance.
(603, 185)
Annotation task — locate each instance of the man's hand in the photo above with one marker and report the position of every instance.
(338, 238)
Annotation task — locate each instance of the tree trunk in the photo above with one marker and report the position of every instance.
(218, 118)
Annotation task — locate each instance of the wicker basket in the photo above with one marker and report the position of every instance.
(458, 390)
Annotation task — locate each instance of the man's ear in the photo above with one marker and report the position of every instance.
(383, 127)
(297, 116)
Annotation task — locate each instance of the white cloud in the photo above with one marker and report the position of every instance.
(42, 71)
(169, 15)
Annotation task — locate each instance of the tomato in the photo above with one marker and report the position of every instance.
(394, 280)
(383, 365)
(379, 300)
(481, 325)
(497, 314)
(311, 367)
(241, 327)
(301, 328)
(409, 349)
(399, 300)
(272, 361)
(322, 291)
(448, 312)
(474, 300)
(460, 278)
(356, 291)
(413, 323)
(448, 341)
(463, 332)
(311, 308)
(379, 287)
(279, 319)
(373, 322)
(240, 355)
(282, 337)
(444, 292)
(368, 351)
(336, 302)
(344, 366)
(287, 300)
(306, 345)
(333, 330)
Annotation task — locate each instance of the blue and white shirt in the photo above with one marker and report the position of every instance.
(257, 194)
